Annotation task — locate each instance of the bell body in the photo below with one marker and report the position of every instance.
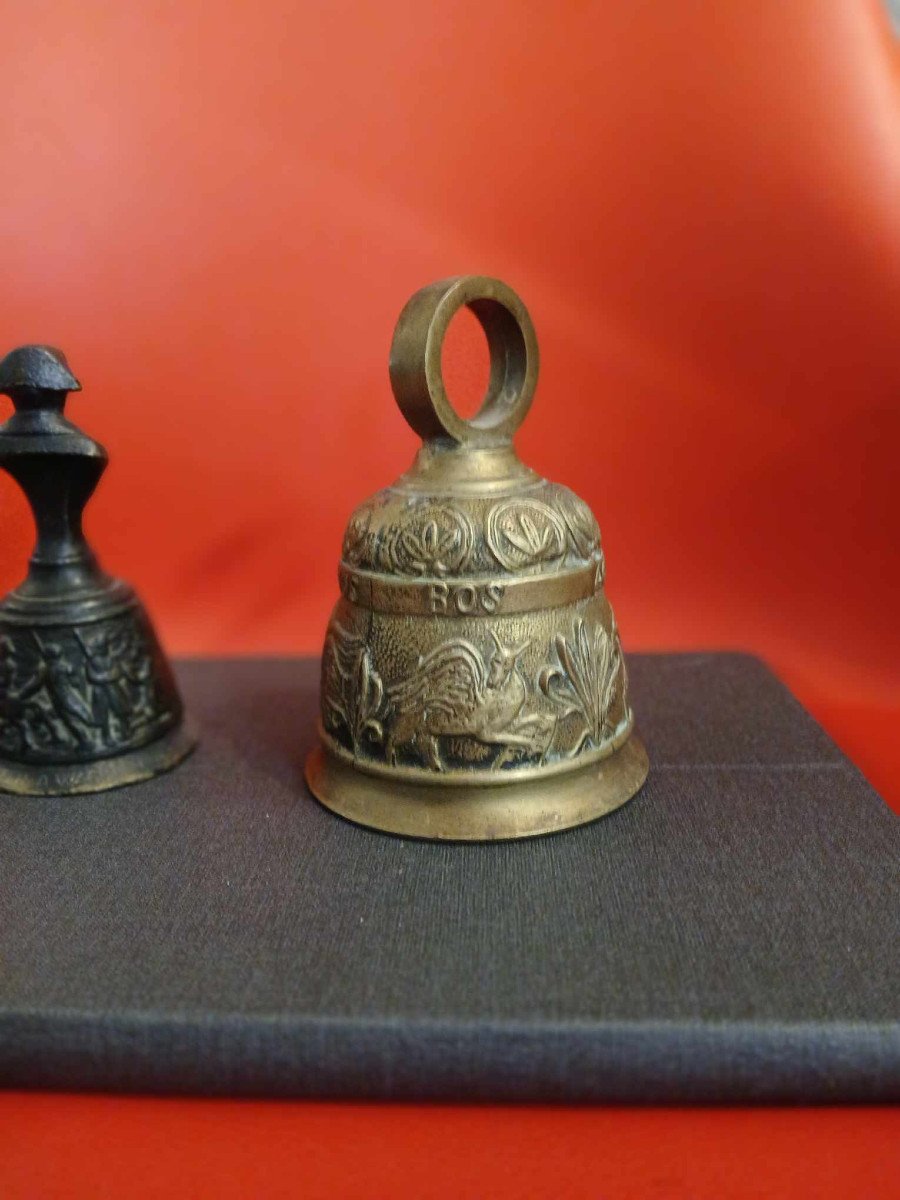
(87, 698)
(473, 684)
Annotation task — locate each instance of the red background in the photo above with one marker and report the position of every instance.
(218, 211)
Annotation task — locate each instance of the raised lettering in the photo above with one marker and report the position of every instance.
(437, 595)
(466, 599)
(493, 594)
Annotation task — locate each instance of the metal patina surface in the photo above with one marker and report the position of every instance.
(87, 698)
(473, 685)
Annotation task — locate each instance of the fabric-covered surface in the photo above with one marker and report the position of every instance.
(730, 934)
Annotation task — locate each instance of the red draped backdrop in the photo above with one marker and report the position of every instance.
(218, 210)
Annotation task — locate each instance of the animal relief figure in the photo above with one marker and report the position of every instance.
(453, 693)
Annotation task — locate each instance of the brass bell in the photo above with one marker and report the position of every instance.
(473, 685)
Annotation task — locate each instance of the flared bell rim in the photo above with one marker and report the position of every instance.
(497, 812)
(100, 774)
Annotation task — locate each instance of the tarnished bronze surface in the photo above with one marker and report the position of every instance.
(88, 700)
(473, 685)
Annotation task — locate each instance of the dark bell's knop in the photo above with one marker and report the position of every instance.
(87, 698)
(473, 684)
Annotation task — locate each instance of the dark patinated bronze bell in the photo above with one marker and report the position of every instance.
(87, 698)
(473, 685)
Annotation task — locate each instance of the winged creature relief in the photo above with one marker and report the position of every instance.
(454, 692)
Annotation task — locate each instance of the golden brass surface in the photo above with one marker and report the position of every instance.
(497, 812)
(473, 684)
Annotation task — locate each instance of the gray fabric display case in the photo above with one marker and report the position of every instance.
(729, 935)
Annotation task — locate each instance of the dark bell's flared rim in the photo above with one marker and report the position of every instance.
(101, 775)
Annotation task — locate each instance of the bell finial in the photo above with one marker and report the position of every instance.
(36, 377)
(56, 465)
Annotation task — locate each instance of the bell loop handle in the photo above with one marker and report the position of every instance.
(415, 362)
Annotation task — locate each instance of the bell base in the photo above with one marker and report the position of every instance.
(102, 774)
(479, 814)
